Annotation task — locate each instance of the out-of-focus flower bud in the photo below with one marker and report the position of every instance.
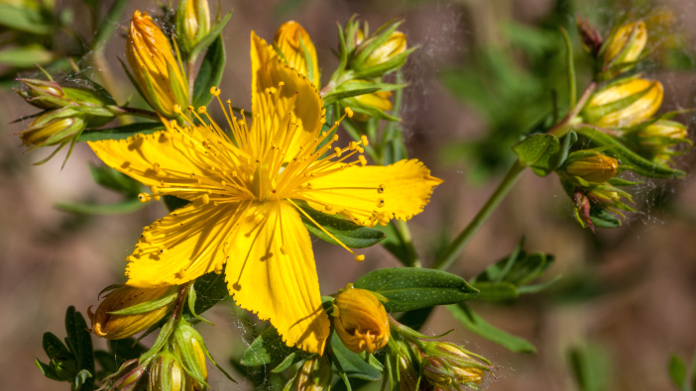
(192, 23)
(592, 167)
(166, 374)
(395, 45)
(314, 375)
(656, 140)
(129, 377)
(160, 79)
(360, 320)
(288, 40)
(189, 345)
(624, 103)
(53, 128)
(449, 366)
(626, 44)
(590, 37)
(113, 320)
(379, 53)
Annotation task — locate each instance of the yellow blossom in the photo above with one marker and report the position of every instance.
(159, 76)
(246, 195)
(287, 41)
(361, 320)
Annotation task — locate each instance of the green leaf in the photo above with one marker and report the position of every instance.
(524, 269)
(114, 180)
(677, 372)
(47, 371)
(412, 288)
(351, 234)
(126, 206)
(173, 202)
(496, 291)
(394, 243)
(353, 364)
(479, 326)
(54, 347)
(603, 219)
(214, 34)
(539, 152)
(23, 57)
(147, 306)
(638, 164)
(415, 319)
(211, 288)
(32, 21)
(80, 343)
(121, 132)
(210, 73)
(286, 363)
(267, 348)
(590, 367)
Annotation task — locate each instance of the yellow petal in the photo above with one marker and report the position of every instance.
(272, 273)
(374, 194)
(287, 40)
(297, 95)
(184, 245)
(167, 156)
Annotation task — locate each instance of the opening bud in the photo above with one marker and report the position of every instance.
(189, 346)
(450, 366)
(624, 47)
(166, 373)
(297, 49)
(192, 23)
(314, 375)
(624, 103)
(592, 167)
(127, 311)
(360, 320)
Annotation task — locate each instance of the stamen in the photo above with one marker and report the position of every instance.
(325, 231)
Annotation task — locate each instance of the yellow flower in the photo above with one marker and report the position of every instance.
(159, 76)
(361, 320)
(110, 326)
(246, 194)
(626, 44)
(597, 168)
(287, 41)
(624, 103)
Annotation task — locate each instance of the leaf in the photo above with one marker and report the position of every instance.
(147, 306)
(590, 366)
(479, 326)
(210, 73)
(677, 372)
(412, 288)
(126, 206)
(286, 363)
(496, 291)
(266, 348)
(106, 361)
(174, 202)
(352, 364)
(539, 152)
(80, 343)
(394, 243)
(212, 35)
(54, 347)
(210, 288)
(351, 234)
(120, 132)
(47, 371)
(23, 57)
(415, 319)
(638, 164)
(24, 19)
(114, 180)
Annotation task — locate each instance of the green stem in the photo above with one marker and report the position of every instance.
(191, 67)
(456, 247)
(407, 241)
(572, 89)
(109, 24)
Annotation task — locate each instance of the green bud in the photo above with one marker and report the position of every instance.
(51, 95)
(447, 366)
(623, 48)
(192, 23)
(314, 375)
(377, 54)
(53, 128)
(129, 377)
(656, 141)
(189, 345)
(166, 374)
(591, 166)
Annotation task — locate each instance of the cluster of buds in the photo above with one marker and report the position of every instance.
(360, 320)
(67, 112)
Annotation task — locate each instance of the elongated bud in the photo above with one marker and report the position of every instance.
(624, 103)
(377, 54)
(596, 168)
(314, 375)
(51, 95)
(52, 128)
(189, 346)
(108, 325)
(289, 41)
(192, 23)
(449, 366)
(360, 320)
(155, 69)
(395, 45)
(626, 44)
(166, 374)
(129, 377)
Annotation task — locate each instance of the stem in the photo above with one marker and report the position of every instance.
(191, 67)
(455, 248)
(407, 240)
(572, 89)
(138, 112)
(107, 78)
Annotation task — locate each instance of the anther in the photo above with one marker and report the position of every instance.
(205, 199)
(361, 149)
(143, 197)
(177, 109)
(349, 112)
(157, 168)
(337, 150)
(362, 160)
(218, 268)
(161, 250)
(214, 91)
(202, 110)
(360, 258)
(364, 140)
(191, 108)
(329, 208)
(380, 189)
(283, 250)
(352, 145)
(380, 203)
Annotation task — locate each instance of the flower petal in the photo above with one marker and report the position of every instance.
(373, 194)
(297, 95)
(184, 245)
(278, 282)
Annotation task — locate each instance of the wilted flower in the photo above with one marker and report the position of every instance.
(592, 167)
(449, 366)
(107, 324)
(160, 79)
(314, 375)
(360, 320)
(624, 103)
(192, 23)
(289, 41)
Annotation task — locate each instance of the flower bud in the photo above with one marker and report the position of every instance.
(395, 45)
(589, 36)
(626, 44)
(189, 345)
(166, 374)
(624, 103)
(360, 320)
(112, 326)
(129, 377)
(288, 40)
(449, 366)
(314, 375)
(155, 69)
(192, 23)
(52, 128)
(51, 95)
(596, 168)
(378, 54)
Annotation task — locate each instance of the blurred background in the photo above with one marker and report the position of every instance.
(483, 76)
